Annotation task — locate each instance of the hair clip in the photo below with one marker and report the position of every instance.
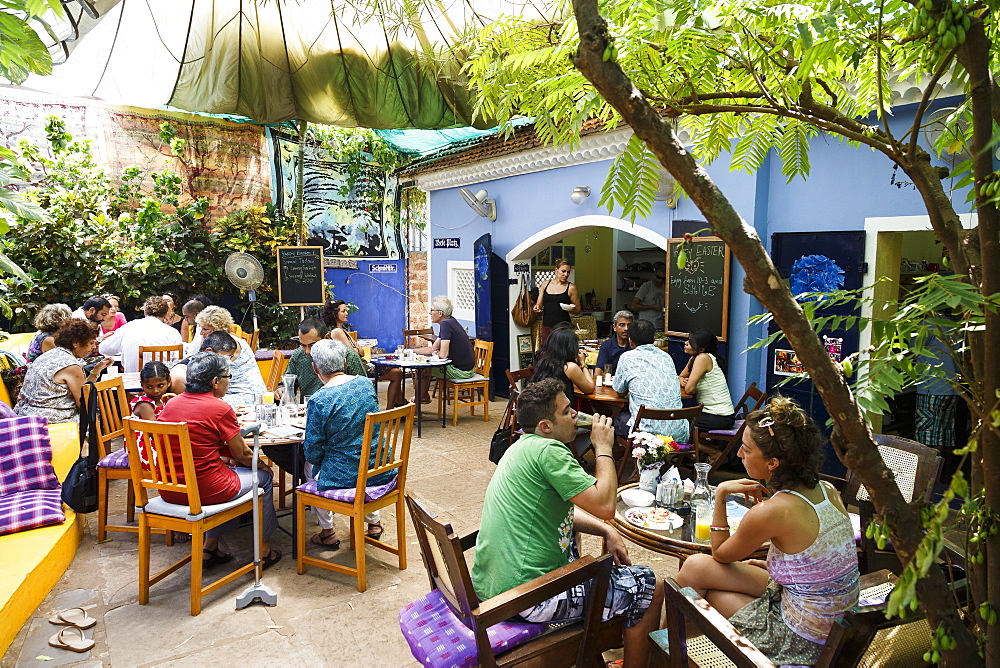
(768, 422)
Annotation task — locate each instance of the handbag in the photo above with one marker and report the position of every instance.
(79, 490)
(503, 437)
(523, 311)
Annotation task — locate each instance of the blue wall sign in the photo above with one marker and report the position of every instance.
(447, 242)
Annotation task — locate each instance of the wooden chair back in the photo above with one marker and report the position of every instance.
(386, 446)
(112, 409)
(425, 333)
(751, 400)
(916, 468)
(515, 377)
(483, 350)
(162, 442)
(278, 365)
(165, 354)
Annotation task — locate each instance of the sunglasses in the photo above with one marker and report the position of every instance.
(228, 375)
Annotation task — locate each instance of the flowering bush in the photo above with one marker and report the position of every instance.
(652, 448)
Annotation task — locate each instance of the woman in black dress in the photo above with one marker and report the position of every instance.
(553, 295)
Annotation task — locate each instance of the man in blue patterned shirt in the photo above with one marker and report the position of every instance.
(649, 376)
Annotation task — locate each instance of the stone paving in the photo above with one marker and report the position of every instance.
(320, 619)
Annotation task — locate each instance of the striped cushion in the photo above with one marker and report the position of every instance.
(30, 510)
(438, 638)
(25, 455)
(347, 495)
(116, 460)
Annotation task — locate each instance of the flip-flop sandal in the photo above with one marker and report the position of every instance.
(376, 534)
(64, 641)
(271, 559)
(215, 558)
(319, 539)
(73, 617)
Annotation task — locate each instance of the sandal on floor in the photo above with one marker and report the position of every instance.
(215, 557)
(374, 535)
(320, 539)
(181, 537)
(73, 617)
(271, 559)
(66, 639)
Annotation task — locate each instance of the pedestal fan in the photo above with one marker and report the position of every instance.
(244, 271)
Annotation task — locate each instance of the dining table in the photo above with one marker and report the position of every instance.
(679, 542)
(416, 364)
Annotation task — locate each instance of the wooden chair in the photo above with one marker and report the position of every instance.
(278, 365)
(721, 444)
(162, 442)
(626, 468)
(863, 637)
(578, 644)
(470, 392)
(425, 333)
(165, 354)
(112, 409)
(515, 377)
(916, 468)
(388, 449)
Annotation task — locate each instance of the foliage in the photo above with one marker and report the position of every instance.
(126, 238)
(356, 148)
(21, 50)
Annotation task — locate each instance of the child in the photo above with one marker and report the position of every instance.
(154, 379)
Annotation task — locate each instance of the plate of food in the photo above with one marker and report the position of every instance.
(650, 518)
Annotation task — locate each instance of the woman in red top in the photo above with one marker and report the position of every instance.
(222, 458)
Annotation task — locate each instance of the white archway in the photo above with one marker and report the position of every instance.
(544, 237)
(539, 240)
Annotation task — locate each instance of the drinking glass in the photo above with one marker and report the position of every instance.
(703, 520)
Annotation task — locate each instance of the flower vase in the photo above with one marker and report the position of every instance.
(649, 475)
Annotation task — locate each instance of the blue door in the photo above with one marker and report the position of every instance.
(814, 262)
(492, 308)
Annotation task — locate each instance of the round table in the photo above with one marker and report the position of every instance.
(678, 543)
(418, 363)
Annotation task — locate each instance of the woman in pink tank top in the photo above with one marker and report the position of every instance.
(787, 605)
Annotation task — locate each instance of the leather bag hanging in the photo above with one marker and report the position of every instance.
(523, 311)
(79, 490)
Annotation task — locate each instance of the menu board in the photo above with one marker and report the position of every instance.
(698, 295)
(300, 275)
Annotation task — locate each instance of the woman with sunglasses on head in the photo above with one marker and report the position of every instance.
(787, 605)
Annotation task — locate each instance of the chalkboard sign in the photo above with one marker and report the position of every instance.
(698, 294)
(300, 275)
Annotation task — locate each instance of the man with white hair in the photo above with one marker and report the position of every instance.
(452, 343)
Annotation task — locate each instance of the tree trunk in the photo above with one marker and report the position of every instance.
(851, 437)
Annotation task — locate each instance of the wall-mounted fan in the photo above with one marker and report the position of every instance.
(244, 271)
(487, 208)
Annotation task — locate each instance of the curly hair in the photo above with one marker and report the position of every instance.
(75, 332)
(329, 313)
(51, 317)
(217, 318)
(793, 439)
(155, 306)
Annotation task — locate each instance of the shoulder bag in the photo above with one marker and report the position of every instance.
(523, 311)
(79, 490)
(504, 436)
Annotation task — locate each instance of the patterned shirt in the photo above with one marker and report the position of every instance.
(650, 378)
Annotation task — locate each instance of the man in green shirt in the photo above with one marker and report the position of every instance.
(537, 498)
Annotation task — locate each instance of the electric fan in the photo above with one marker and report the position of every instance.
(244, 271)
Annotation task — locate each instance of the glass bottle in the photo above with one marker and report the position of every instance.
(702, 493)
(289, 401)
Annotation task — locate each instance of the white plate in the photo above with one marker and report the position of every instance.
(649, 518)
(567, 307)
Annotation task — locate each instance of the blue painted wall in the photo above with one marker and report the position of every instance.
(378, 289)
(845, 186)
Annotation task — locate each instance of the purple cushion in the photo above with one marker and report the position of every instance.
(723, 434)
(347, 495)
(30, 510)
(6, 411)
(25, 455)
(438, 638)
(116, 460)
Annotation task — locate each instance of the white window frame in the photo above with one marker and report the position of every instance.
(454, 267)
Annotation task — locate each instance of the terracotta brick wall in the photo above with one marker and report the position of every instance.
(417, 286)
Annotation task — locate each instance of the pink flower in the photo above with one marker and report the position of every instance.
(638, 452)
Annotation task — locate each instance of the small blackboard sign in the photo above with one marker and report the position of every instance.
(300, 275)
(698, 294)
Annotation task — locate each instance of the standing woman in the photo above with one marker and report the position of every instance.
(704, 380)
(556, 292)
(787, 605)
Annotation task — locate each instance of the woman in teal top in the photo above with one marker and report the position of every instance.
(335, 430)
